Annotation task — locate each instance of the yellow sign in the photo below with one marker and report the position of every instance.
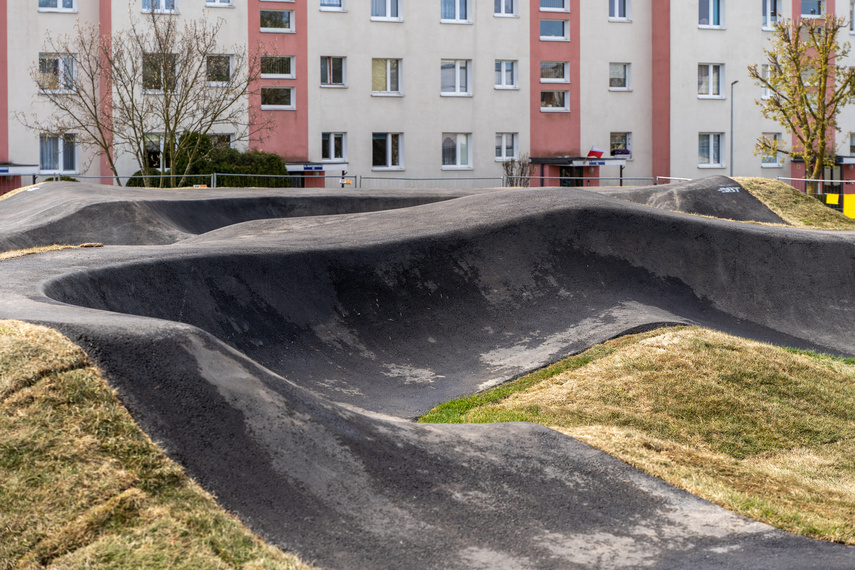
(849, 205)
(832, 199)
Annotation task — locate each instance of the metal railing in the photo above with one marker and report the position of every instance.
(452, 183)
(575, 181)
(822, 186)
(669, 179)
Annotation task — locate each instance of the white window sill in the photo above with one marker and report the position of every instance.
(469, 22)
(445, 167)
(392, 94)
(506, 159)
(58, 10)
(506, 88)
(333, 86)
(556, 10)
(620, 20)
(813, 16)
(708, 27)
(554, 110)
(219, 5)
(334, 160)
(332, 9)
(387, 168)
(626, 157)
(392, 20)
(712, 97)
(505, 15)
(278, 108)
(553, 39)
(556, 81)
(276, 31)
(162, 12)
(621, 89)
(776, 165)
(274, 76)
(768, 29)
(56, 91)
(455, 94)
(710, 166)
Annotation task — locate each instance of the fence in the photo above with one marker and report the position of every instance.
(572, 181)
(383, 183)
(807, 186)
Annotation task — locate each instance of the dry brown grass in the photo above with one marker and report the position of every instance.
(760, 430)
(83, 487)
(795, 208)
(44, 249)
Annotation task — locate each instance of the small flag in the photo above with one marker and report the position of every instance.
(595, 152)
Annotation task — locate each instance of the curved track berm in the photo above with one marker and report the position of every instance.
(278, 360)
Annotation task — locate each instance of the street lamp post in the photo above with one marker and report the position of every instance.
(732, 141)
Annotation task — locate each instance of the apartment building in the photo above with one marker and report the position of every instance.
(434, 89)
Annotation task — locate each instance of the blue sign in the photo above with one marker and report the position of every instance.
(4, 170)
(313, 168)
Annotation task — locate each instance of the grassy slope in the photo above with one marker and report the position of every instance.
(82, 486)
(760, 430)
(795, 208)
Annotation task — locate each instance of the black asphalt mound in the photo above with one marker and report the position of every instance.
(75, 213)
(270, 357)
(715, 196)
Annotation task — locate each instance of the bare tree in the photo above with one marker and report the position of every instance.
(518, 172)
(806, 89)
(139, 90)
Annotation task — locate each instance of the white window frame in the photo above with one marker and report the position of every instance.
(822, 9)
(765, 70)
(770, 14)
(502, 146)
(627, 145)
(65, 78)
(389, 160)
(457, 18)
(290, 107)
(332, 7)
(231, 69)
(61, 149)
(329, 60)
(627, 76)
(565, 6)
(710, 13)
(328, 147)
(388, 91)
(500, 8)
(711, 94)
(388, 7)
(565, 79)
(711, 137)
(459, 90)
(59, 7)
(564, 109)
(291, 66)
(777, 160)
(219, 4)
(160, 6)
(288, 30)
(565, 26)
(614, 10)
(462, 151)
(159, 90)
(500, 74)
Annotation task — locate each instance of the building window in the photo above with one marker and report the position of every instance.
(619, 77)
(456, 150)
(277, 20)
(159, 72)
(555, 30)
(554, 6)
(277, 67)
(813, 8)
(57, 153)
(219, 69)
(455, 77)
(710, 80)
(57, 5)
(332, 5)
(155, 157)
(56, 72)
(554, 101)
(332, 71)
(506, 74)
(506, 146)
(620, 145)
(851, 144)
(505, 8)
(554, 72)
(277, 98)
(385, 10)
(770, 14)
(334, 146)
(710, 150)
(619, 9)
(456, 11)
(765, 71)
(160, 6)
(774, 160)
(221, 140)
(387, 151)
(711, 13)
(386, 76)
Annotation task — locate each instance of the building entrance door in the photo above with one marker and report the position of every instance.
(571, 176)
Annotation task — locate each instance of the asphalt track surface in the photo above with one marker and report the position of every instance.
(281, 359)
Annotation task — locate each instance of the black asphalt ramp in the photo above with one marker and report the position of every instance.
(280, 361)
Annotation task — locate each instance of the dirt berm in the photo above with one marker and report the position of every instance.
(279, 361)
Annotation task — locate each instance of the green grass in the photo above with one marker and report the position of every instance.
(764, 431)
(83, 487)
